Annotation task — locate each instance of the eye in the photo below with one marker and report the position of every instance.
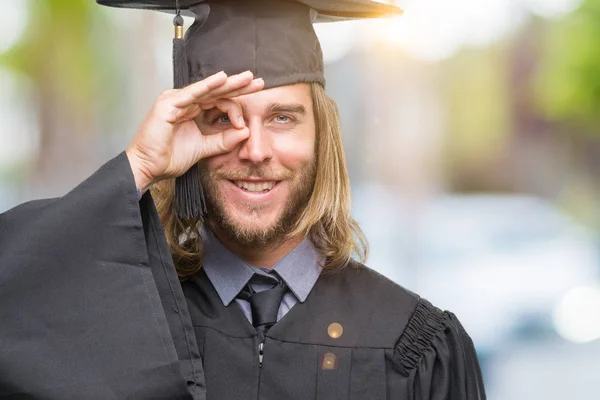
(282, 118)
(221, 119)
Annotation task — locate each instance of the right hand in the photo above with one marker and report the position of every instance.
(168, 142)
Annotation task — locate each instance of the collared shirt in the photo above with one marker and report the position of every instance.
(229, 274)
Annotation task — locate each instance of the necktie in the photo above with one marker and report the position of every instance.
(264, 306)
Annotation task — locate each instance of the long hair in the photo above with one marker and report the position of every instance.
(325, 219)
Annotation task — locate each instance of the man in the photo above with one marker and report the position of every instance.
(271, 303)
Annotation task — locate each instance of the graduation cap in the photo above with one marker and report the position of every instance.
(274, 39)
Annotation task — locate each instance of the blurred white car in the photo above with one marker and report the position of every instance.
(497, 261)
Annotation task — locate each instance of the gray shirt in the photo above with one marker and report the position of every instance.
(229, 274)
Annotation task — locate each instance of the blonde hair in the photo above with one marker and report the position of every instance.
(326, 219)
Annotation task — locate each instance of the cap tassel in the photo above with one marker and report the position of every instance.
(190, 203)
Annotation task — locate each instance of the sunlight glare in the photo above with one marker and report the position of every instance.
(433, 30)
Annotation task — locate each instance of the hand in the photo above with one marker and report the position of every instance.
(168, 142)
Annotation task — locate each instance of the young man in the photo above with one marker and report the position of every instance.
(272, 302)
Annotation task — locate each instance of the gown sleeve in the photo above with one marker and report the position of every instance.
(435, 358)
(89, 305)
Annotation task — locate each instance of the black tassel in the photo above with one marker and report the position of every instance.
(190, 203)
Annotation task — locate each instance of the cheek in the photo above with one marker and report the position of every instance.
(216, 162)
(294, 151)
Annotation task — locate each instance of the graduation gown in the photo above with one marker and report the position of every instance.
(91, 308)
(393, 345)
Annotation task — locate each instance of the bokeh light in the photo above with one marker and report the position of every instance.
(577, 314)
(13, 22)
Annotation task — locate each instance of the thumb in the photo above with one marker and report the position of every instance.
(223, 142)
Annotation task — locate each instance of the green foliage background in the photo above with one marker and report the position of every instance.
(568, 84)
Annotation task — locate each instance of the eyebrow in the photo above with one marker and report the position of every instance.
(289, 108)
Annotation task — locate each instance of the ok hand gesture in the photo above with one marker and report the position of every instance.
(168, 142)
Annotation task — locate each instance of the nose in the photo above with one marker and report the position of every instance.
(257, 148)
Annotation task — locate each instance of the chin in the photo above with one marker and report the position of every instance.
(255, 221)
(252, 220)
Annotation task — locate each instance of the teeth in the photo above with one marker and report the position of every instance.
(255, 187)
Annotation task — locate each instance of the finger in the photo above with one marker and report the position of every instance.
(189, 94)
(255, 86)
(188, 113)
(202, 90)
(233, 110)
(223, 142)
(181, 113)
(176, 115)
(234, 82)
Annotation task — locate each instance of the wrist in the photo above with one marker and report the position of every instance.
(142, 180)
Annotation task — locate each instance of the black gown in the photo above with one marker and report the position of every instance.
(91, 308)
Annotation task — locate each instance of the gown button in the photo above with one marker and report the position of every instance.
(335, 330)
(329, 361)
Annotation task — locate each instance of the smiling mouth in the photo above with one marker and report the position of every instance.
(255, 187)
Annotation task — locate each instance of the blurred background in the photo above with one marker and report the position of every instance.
(473, 141)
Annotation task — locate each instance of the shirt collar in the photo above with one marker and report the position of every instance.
(228, 273)
(300, 269)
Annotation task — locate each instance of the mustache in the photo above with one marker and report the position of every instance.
(254, 172)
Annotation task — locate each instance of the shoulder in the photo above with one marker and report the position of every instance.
(386, 312)
(374, 313)
(419, 327)
(362, 285)
(369, 291)
(415, 334)
(409, 322)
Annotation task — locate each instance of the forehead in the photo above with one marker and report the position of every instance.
(299, 93)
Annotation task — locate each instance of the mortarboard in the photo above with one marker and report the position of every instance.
(274, 39)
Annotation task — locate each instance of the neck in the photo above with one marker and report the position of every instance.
(263, 256)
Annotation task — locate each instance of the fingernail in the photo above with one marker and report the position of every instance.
(241, 121)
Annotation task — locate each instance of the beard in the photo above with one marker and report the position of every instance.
(248, 235)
